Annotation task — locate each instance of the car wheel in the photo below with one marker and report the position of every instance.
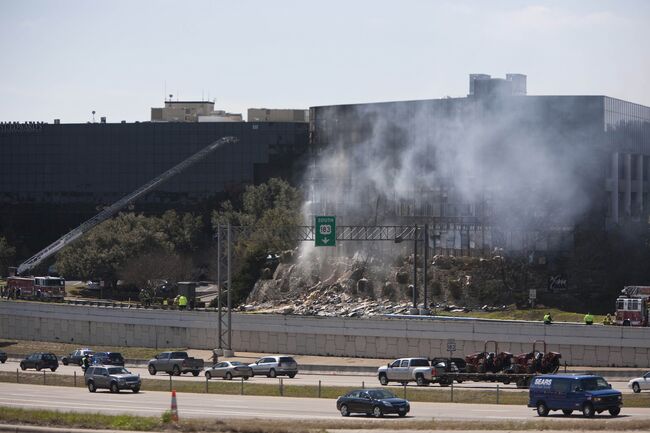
(64, 361)
(567, 412)
(91, 386)
(383, 379)
(377, 412)
(615, 411)
(272, 373)
(195, 373)
(252, 374)
(421, 381)
(344, 410)
(114, 388)
(53, 369)
(636, 388)
(152, 370)
(542, 409)
(136, 390)
(245, 377)
(402, 414)
(228, 376)
(22, 366)
(208, 375)
(37, 367)
(176, 371)
(588, 410)
(291, 375)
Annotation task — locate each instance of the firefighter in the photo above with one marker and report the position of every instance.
(589, 319)
(548, 319)
(608, 319)
(165, 302)
(182, 302)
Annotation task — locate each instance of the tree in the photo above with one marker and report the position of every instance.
(7, 254)
(265, 209)
(109, 247)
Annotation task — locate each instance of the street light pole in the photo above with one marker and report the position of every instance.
(426, 265)
(415, 268)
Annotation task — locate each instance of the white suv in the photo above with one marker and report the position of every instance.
(273, 366)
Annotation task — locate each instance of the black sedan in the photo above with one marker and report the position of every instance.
(376, 402)
(3, 357)
(39, 361)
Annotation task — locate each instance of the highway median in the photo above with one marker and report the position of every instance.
(432, 394)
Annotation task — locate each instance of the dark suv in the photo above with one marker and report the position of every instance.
(108, 358)
(76, 356)
(39, 361)
(113, 378)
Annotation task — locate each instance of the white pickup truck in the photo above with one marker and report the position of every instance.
(406, 370)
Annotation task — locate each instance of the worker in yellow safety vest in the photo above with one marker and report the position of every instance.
(547, 319)
(607, 320)
(182, 302)
(589, 319)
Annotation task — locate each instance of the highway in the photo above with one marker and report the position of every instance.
(326, 378)
(151, 403)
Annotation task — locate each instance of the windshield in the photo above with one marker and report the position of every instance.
(380, 393)
(118, 370)
(594, 384)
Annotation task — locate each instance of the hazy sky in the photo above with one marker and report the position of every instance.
(64, 59)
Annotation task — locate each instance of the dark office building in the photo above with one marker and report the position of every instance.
(493, 169)
(53, 176)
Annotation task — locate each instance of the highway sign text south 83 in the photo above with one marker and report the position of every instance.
(325, 231)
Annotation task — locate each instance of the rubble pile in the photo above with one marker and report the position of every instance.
(364, 287)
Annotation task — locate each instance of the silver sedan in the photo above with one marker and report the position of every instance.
(229, 369)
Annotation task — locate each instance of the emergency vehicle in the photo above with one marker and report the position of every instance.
(46, 288)
(632, 306)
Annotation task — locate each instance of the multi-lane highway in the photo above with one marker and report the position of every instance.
(151, 403)
(303, 378)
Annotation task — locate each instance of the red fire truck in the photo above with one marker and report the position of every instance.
(46, 288)
(632, 306)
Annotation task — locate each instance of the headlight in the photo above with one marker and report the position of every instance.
(597, 399)
(620, 397)
(121, 380)
(387, 403)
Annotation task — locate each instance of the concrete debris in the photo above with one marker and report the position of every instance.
(362, 286)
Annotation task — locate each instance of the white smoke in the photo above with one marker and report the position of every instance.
(534, 161)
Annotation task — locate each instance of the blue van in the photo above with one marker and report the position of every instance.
(586, 393)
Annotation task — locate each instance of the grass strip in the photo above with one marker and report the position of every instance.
(24, 347)
(433, 394)
(97, 421)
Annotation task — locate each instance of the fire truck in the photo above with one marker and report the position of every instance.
(632, 306)
(46, 288)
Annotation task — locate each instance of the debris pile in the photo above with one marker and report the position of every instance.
(366, 287)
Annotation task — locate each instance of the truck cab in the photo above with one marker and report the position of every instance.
(406, 370)
(631, 311)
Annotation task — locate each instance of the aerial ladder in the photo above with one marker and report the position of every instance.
(111, 210)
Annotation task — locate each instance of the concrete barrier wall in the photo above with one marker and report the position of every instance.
(372, 338)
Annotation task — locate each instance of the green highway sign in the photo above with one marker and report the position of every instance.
(325, 233)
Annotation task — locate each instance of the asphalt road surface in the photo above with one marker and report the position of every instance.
(327, 379)
(151, 403)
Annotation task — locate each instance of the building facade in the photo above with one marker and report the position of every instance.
(497, 168)
(54, 176)
(192, 111)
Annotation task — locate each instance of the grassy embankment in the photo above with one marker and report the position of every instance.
(138, 423)
(532, 314)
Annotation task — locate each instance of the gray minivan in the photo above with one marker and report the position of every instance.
(587, 393)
